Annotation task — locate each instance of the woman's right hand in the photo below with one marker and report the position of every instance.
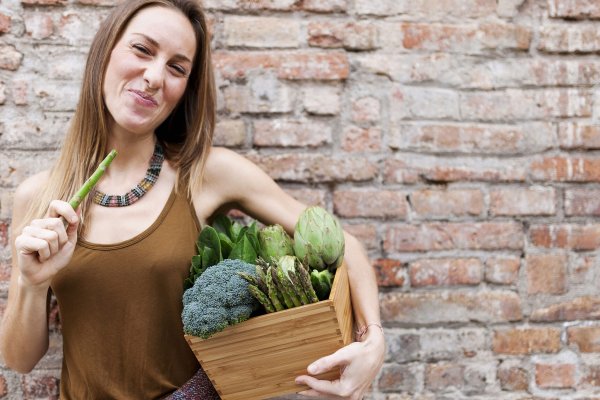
(45, 246)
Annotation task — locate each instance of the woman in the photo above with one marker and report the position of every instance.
(117, 268)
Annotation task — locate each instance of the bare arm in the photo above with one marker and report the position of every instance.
(38, 253)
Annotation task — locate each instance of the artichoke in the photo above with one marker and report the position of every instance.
(274, 242)
(319, 239)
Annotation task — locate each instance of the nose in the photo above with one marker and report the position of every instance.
(153, 75)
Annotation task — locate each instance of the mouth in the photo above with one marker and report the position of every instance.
(144, 98)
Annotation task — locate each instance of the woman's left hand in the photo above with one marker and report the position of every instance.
(359, 363)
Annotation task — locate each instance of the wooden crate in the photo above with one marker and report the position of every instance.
(259, 358)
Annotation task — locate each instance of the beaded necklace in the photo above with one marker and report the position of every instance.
(112, 200)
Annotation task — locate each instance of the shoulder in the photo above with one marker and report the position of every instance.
(29, 188)
(221, 158)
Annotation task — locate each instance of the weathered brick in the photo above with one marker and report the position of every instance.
(579, 135)
(10, 57)
(261, 32)
(27, 131)
(526, 341)
(366, 234)
(454, 236)
(315, 168)
(546, 273)
(509, 8)
(291, 133)
(15, 166)
(450, 306)
(309, 197)
(425, 8)
(5, 22)
(397, 378)
(513, 377)
(263, 94)
(382, 7)
(569, 38)
(39, 26)
(246, 5)
(434, 204)
(57, 95)
(325, 6)
(587, 307)
(582, 202)
(370, 203)
(357, 140)
(592, 376)
(44, 2)
(6, 203)
(20, 89)
(566, 236)
(366, 109)
(443, 376)
(389, 272)
(424, 103)
(287, 65)
(3, 386)
(445, 272)
(534, 200)
(451, 344)
(348, 35)
(4, 228)
(525, 104)
(321, 100)
(573, 9)
(587, 338)
(2, 100)
(5, 272)
(230, 133)
(40, 385)
(555, 376)
(469, 39)
(473, 139)
(582, 268)
(79, 27)
(402, 347)
(502, 270)
(99, 2)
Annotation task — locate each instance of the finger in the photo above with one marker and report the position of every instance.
(55, 224)
(63, 209)
(338, 359)
(318, 387)
(29, 246)
(314, 393)
(48, 235)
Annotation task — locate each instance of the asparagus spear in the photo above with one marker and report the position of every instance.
(306, 283)
(261, 297)
(92, 180)
(273, 292)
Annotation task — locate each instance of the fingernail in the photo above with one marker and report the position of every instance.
(73, 220)
(312, 369)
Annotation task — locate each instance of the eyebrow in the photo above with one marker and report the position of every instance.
(178, 56)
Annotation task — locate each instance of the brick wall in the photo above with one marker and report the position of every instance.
(458, 139)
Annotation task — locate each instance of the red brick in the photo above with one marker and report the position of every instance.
(502, 271)
(513, 378)
(5, 271)
(370, 203)
(546, 273)
(579, 202)
(523, 201)
(526, 341)
(566, 236)
(4, 23)
(468, 39)
(432, 204)
(44, 2)
(316, 168)
(579, 135)
(389, 272)
(309, 197)
(366, 109)
(261, 32)
(445, 272)
(413, 170)
(349, 35)
(473, 139)
(555, 376)
(4, 229)
(294, 66)
(574, 38)
(592, 377)
(450, 306)
(574, 8)
(454, 236)
(10, 57)
(357, 140)
(443, 376)
(291, 133)
(366, 235)
(587, 307)
(397, 378)
(566, 169)
(587, 338)
(526, 104)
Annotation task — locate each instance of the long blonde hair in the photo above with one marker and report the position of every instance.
(186, 134)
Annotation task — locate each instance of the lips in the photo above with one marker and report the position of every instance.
(144, 98)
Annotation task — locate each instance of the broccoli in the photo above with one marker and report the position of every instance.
(219, 297)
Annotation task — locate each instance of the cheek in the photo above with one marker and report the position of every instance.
(175, 92)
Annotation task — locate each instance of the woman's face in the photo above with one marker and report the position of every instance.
(148, 69)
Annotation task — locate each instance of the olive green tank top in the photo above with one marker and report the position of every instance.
(120, 309)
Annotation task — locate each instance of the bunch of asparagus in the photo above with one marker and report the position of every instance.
(281, 284)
